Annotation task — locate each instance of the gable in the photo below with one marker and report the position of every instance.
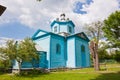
(82, 35)
(79, 35)
(39, 33)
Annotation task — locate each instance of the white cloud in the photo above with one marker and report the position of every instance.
(39, 14)
(3, 41)
(99, 10)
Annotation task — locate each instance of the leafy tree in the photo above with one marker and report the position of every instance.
(116, 56)
(94, 31)
(111, 29)
(112, 32)
(103, 54)
(28, 50)
(22, 51)
(5, 62)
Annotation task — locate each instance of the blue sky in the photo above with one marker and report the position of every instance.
(78, 5)
(15, 30)
(23, 17)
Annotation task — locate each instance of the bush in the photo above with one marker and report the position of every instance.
(5, 65)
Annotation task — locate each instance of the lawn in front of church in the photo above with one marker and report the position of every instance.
(111, 73)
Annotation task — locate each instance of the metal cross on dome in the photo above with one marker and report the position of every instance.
(2, 9)
(62, 16)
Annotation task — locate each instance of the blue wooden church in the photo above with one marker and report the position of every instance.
(61, 47)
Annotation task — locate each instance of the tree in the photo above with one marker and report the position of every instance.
(22, 51)
(102, 52)
(116, 56)
(5, 62)
(94, 31)
(27, 48)
(111, 29)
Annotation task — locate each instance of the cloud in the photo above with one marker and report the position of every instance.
(99, 10)
(3, 41)
(40, 14)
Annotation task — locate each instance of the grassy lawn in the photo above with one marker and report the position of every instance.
(112, 73)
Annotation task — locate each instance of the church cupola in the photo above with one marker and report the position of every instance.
(62, 26)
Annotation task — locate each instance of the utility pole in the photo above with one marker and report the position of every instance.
(2, 9)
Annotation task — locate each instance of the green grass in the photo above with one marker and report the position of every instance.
(112, 73)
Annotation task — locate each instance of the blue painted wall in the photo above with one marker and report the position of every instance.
(43, 62)
(44, 45)
(62, 27)
(57, 59)
(71, 53)
(82, 57)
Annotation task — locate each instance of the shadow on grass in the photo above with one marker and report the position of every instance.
(108, 76)
(32, 75)
(5, 71)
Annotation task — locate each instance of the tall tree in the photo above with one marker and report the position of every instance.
(102, 52)
(111, 29)
(94, 31)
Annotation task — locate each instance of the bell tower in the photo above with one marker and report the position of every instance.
(62, 26)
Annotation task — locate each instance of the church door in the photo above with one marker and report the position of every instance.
(83, 56)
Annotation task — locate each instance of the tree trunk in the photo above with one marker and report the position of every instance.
(97, 63)
(97, 68)
(19, 67)
(94, 63)
(94, 51)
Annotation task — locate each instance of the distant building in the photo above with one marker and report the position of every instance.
(61, 47)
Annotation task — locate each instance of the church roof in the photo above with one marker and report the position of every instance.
(37, 35)
(37, 32)
(81, 35)
(44, 34)
(63, 23)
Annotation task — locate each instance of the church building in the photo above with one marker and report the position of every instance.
(61, 47)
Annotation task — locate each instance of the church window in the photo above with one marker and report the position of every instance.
(55, 29)
(82, 48)
(58, 48)
(70, 29)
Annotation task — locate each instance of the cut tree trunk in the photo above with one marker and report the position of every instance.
(97, 58)
(97, 68)
(94, 52)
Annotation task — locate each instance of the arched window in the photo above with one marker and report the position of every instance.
(55, 29)
(82, 48)
(58, 48)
